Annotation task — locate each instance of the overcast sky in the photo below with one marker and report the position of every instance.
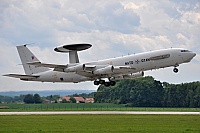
(114, 28)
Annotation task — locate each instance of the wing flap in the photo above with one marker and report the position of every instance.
(21, 76)
(124, 67)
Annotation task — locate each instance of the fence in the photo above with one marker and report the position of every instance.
(86, 107)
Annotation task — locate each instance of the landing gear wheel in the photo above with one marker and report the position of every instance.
(107, 84)
(175, 70)
(96, 82)
(112, 83)
(101, 81)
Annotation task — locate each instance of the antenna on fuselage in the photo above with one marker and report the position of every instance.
(28, 44)
(73, 49)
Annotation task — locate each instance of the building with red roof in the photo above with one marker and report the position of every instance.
(89, 100)
(79, 99)
(65, 98)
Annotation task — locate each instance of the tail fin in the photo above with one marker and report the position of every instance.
(27, 56)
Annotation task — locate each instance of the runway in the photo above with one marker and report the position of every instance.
(100, 113)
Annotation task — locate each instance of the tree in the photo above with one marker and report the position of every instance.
(64, 101)
(73, 100)
(37, 98)
(53, 98)
(19, 98)
(5, 99)
(28, 99)
(147, 92)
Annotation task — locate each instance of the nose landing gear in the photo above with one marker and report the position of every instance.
(175, 70)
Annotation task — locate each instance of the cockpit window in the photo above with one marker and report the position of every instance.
(185, 51)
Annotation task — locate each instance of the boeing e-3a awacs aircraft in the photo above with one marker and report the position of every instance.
(126, 67)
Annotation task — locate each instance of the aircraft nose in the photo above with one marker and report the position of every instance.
(189, 56)
(193, 54)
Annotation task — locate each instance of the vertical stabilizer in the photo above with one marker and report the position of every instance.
(27, 56)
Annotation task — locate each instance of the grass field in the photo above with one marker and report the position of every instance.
(101, 123)
(86, 107)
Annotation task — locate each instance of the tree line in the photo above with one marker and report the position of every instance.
(29, 98)
(9, 99)
(147, 92)
(36, 98)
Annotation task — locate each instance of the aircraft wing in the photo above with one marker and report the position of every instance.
(21, 76)
(103, 71)
(89, 70)
(47, 65)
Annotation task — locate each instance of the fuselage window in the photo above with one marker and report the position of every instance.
(185, 51)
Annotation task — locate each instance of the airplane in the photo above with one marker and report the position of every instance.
(104, 72)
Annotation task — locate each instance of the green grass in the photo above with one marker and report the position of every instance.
(101, 123)
(87, 107)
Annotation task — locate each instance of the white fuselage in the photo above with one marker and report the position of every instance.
(140, 62)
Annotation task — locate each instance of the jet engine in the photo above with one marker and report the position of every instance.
(106, 70)
(76, 68)
(134, 75)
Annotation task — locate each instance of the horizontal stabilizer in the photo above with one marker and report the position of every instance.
(47, 65)
(21, 76)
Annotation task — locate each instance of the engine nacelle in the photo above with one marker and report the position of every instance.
(134, 75)
(76, 68)
(106, 70)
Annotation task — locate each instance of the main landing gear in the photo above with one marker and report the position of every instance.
(107, 84)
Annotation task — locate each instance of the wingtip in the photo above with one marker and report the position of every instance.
(7, 75)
